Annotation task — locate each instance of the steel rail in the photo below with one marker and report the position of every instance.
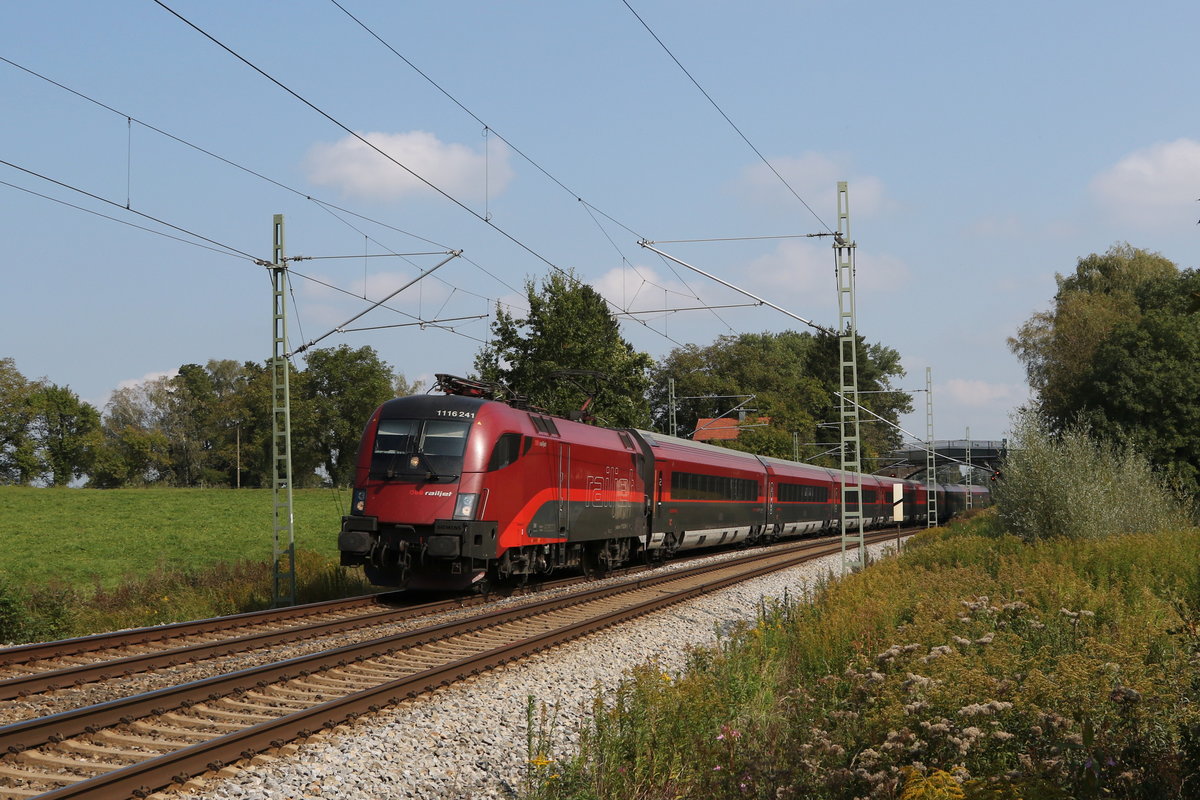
(37, 651)
(145, 777)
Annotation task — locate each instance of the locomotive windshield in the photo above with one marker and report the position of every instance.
(419, 449)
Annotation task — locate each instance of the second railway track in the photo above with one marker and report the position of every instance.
(135, 745)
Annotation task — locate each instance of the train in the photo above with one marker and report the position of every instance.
(462, 490)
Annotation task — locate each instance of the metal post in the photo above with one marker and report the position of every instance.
(931, 505)
(673, 427)
(970, 470)
(851, 480)
(284, 563)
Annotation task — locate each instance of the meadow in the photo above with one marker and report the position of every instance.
(78, 561)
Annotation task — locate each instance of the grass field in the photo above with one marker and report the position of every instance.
(88, 537)
(81, 561)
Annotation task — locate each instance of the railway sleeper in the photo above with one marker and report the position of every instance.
(270, 706)
(191, 735)
(244, 716)
(56, 778)
(41, 758)
(304, 693)
(199, 722)
(136, 741)
(102, 751)
(341, 682)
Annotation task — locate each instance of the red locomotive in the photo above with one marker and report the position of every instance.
(453, 489)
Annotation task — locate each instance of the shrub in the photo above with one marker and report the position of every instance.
(1070, 485)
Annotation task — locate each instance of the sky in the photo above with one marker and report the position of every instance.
(986, 147)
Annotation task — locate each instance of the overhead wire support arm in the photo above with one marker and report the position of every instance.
(649, 246)
(453, 254)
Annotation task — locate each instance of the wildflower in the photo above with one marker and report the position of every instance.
(1074, 738)
(717, 768)
(986, 638)
(961, 642)
(918, 681)
(1003, 736)
(1068, 613)
(937, 652)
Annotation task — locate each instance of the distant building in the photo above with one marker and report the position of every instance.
(724, 428)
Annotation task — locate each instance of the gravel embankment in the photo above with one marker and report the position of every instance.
(469, 740)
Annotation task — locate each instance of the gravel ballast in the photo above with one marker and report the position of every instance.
(470, 739)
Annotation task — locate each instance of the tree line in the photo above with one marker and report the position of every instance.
(206, 426)
(1116, 354)
(211, 425)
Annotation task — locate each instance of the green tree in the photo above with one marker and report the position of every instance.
(1057, 346)
(66, 433)
(793, 378)
(1117, 353)
(342, 386)
(1142, 385)
(403, 388)
(18, 459)
(568, 329)
(134, 450)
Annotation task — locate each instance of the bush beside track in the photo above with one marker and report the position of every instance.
(80, 561)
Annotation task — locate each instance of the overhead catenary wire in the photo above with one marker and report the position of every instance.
(330, 208)
(806, 321)
(362, 139)
(144, 215)
(489, 130)
(417, 319)
(721, 111)
(164, 234)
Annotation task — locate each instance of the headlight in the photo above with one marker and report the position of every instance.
(465, 507)
(359, 505)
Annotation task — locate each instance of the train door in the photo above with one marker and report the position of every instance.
(560, 466)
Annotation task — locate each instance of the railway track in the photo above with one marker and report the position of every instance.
(135, 745)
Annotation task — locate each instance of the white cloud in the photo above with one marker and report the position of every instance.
(1155, 187)
(975, 394)
(359, 171)
(814, 177)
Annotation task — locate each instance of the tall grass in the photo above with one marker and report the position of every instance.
(1069, 484)
(1000, 669)
(164, 595)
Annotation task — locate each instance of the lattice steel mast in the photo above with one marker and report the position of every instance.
(284, 563)
(851, 480)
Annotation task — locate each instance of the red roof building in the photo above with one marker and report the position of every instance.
(724, 428)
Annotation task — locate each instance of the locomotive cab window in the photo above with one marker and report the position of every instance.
(415, 449)
(506, 451)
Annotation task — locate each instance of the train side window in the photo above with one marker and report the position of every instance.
(506, 451)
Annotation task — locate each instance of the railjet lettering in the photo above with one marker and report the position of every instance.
(438, 493)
